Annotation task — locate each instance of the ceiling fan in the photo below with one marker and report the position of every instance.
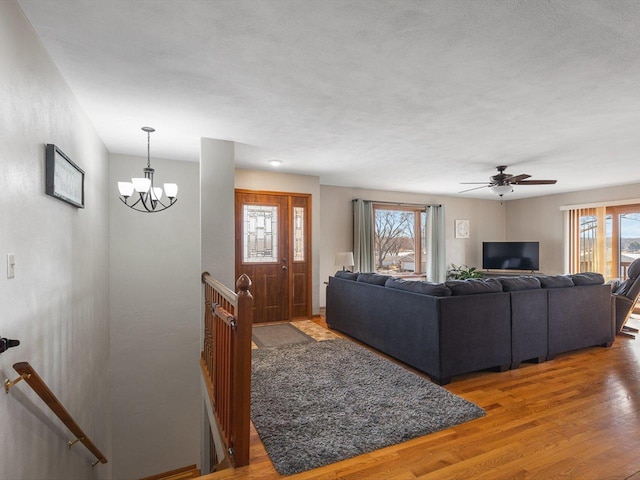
(502, 183)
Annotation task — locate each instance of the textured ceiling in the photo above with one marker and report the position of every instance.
(389, 94)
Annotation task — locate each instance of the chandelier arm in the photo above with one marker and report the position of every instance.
(146, 199)
(150, 211)
(163, 205)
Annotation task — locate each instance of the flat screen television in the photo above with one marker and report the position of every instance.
(511, 255)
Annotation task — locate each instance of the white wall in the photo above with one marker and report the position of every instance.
(486, 221)
(58, 303)
(282, 182)
(540, 219)
(217, 202)
(155, 324)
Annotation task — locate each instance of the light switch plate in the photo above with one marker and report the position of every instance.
(11, 265)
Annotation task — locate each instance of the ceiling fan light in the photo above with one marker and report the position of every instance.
(501, 189)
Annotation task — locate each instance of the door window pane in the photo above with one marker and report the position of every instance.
(260, 234)
(298, 234)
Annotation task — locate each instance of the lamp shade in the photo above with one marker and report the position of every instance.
(345, 259)
(171, 189)
(501, 189)
(125, 188)
(141, 185)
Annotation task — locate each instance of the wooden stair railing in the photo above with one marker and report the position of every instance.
(226, 362)
(191, 471)
(29, 375)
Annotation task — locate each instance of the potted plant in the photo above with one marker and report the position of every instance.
(462, 272)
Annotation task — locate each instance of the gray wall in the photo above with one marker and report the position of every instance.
(58, 303)
(540, 219)
(486, 221)
(155, 324)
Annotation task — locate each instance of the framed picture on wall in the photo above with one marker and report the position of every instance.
(65, 179)
(462, 228)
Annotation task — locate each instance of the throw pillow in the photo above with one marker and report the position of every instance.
(346, 275)
(514, 284)
(588, 278)
(373, 278)
(425, 288)
(556, 281)
(474, 286)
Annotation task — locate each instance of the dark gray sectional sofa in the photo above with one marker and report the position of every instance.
(463, 326)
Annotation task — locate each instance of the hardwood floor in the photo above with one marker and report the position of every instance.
(575, 417)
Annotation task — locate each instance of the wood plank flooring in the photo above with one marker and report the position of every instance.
(575, 417)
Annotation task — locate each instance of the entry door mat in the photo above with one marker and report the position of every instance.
(278, 335)
(318, 403)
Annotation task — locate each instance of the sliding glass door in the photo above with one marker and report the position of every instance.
(605, 239)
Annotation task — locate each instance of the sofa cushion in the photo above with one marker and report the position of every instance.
(474, 286)
(556, 281)
(588, 278)
(514, 284)
(346, 275)
(425, 288)
(373, 278)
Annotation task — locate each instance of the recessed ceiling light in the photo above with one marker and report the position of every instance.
(275, 162)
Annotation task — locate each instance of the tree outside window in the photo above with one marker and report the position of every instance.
(398, 231)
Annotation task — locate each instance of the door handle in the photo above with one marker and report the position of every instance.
(284, 267)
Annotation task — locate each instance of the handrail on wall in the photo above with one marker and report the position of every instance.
(29, 375)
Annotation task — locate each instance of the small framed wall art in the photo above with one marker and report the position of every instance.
(65, 179)
(462, 228)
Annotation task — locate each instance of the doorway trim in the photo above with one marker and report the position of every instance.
(308, 243)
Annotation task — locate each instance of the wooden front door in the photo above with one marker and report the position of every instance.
(273, 248)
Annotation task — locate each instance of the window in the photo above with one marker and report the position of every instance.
(605, 239)
(399, 240)
(260, 238)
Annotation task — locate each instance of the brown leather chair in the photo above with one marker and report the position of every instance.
(626, 295)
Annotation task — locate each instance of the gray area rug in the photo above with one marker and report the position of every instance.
(321, 402)
(278, 335)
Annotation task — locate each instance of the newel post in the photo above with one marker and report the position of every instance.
(242, 372)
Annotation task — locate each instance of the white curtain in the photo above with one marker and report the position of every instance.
(363, 236)
(435, 243)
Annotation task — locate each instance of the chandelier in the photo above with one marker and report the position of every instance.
(150, 197)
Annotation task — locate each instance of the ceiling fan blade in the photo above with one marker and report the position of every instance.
(475, 188)
(537, 182)
(518, 178)
(473, 183)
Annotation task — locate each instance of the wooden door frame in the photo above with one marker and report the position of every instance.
(308, 244)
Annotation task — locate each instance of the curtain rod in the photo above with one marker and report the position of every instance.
(401, 204)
